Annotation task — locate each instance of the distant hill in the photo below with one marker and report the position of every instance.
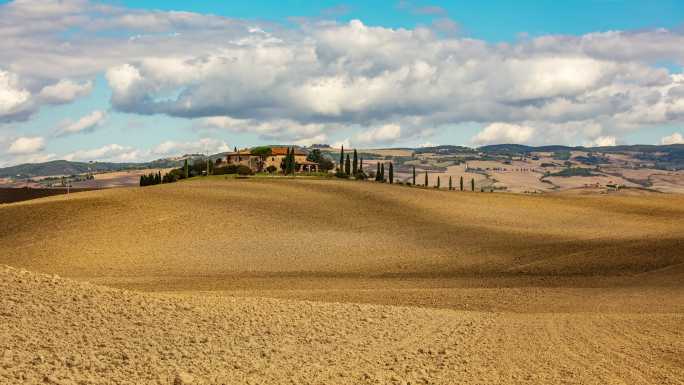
(65, 167)
(522, 149)
(663, 157)
(445, 150)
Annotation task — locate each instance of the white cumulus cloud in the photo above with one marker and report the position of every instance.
(603, 141)
(12, 96)
(65, 91)
(201, 146)
(504, 133)
(387, 133)
(87, 123)
(110, 152)
(325, 77)
(26, 145)
(675, 138)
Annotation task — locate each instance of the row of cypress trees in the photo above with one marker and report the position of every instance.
(380, 173)
(350, 166)
(438, 183)
(151, 179)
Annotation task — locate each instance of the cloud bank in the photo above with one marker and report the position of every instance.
(314, 81)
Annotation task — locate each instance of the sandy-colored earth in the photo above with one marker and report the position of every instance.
(339, 282)
(58, 331)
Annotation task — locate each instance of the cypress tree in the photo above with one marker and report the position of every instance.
(414, 175)
(472, 184)
(341, 160)
(426, 179)
(377, 173)
(360, 164)
(293, 162)
(287, 162)
(142, 180)
(159, 177)
(347, 166)
(355, 164)
(450, 185)
(382, 172)
(186, 170)
(461, 182)
(391, 173)
(437, 181)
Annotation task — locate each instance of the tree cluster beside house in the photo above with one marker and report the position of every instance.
(290, 161)
(271, 159)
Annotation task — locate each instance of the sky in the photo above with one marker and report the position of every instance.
(131, 81)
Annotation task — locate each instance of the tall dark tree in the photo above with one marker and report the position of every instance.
(472, 184)
(292, 164)
(361, 165)
(355, 163)
(284, 162)
(414, 175)
(341, 164)
(426, 179)
(461, 182)
(382, 172)
(450, 185)
(288, 162)
(437, 181)
(186, 169)
(347, 166)
(391, 173)
(377, 173)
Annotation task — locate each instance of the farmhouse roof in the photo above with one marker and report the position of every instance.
(274, 151)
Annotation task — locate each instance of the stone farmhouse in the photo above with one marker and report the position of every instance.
(276, 158)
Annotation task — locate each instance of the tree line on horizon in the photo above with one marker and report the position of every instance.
(348, 167)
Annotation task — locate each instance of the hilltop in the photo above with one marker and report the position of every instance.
(342, 236)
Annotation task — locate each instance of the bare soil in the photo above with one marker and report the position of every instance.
(338, 282)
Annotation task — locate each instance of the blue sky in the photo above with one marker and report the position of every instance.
(494, 20)
(570, 72)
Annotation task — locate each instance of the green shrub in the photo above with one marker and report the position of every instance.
(239, 169)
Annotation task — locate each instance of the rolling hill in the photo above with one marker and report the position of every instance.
(532, 289)
(266, 231)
